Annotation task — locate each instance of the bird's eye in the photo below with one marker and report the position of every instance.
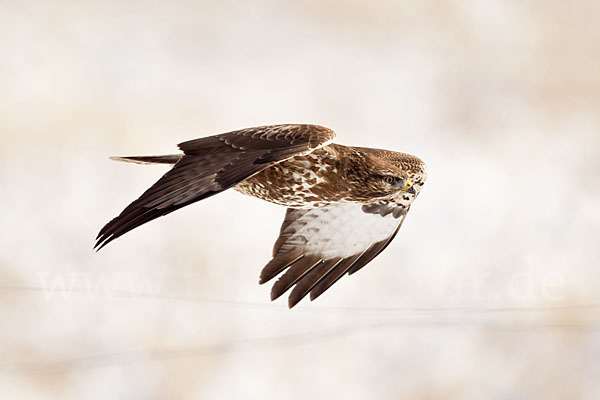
(389, 180)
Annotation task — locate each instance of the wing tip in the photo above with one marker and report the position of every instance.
(164, 159)
(315, 295)
(102, 241)
(292, 302)
(275, 295)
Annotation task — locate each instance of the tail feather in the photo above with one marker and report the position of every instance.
(167, 159)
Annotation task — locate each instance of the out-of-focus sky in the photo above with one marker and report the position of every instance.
(490, 290)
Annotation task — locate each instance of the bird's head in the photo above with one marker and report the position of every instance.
(393, 174)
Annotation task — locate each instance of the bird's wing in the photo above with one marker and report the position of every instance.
(212, 164)
(318, 246)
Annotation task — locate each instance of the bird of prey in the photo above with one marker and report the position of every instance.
(344, 204)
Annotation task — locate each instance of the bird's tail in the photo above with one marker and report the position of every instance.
(166, 159)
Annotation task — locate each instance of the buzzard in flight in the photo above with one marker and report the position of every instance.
(344, 204)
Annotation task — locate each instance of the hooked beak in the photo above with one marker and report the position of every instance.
(410, 190)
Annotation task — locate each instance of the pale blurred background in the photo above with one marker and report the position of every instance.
(490, 291)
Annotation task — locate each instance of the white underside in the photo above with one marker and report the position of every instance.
(341, 230)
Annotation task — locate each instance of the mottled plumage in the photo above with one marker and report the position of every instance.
(345, 204)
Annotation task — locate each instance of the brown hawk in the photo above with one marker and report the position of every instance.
(344, 204)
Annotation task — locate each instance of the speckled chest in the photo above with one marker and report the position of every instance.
(312, 180)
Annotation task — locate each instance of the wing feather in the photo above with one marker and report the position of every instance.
(212, 164)
(294, 273)
(313, 277)
(316, 247)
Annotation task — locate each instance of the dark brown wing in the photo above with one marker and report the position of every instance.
(318, 246)
(213, 164)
